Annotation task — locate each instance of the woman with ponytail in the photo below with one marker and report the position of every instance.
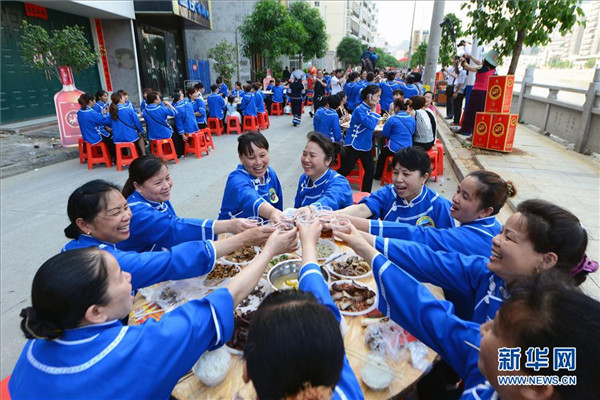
(78, 347)
(126, 125)
(91, 123)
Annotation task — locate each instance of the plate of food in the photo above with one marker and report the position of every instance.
(243, 255)
(240, 331)
(348, 266)
(278, 259)
(325, 249)
(353, 298)
(220, 274)
(253, 300)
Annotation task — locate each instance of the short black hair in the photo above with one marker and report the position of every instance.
(334, 101)
(370, 89)
(246, 140)
(213, 88)
(398, 91)
(413, 159)
(199, 85)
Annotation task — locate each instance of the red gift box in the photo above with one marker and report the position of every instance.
(499, 94)
(483, 122)
(502, 132)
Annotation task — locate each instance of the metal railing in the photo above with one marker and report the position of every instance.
(578, 124)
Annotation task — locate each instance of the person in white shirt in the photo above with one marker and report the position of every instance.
(451, 75)
(338, 81)
(459, 95)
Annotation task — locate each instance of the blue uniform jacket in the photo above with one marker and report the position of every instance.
(244, 193)
(399, 129)
(216, 105)
(331, 189)
(183, 261)
(356, 92)
(200, 106)
(387, 93)
(126, 126)
(472, 239)
(155, 116)
(156, 227)
(433, 322)
(427, 209)
(223, 89)
(327, 122)
(362, 125)
(248, 107)
(143, 105)
(278, 94)
(350, 95)
(311, 280)
(185, 120)
(129, 104)
(99, 107)
(476, 291)
(90, 124)
(236, 93)
(112, 361)
(259, 102)
(410, 90)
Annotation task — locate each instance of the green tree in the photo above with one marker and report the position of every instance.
(46, 51)
(314, 44)
(270, 31)
(385, 59)
(419, 56)
(516, 23)
(225, 60)
(447, 49)
(590, 63)
(349, 50)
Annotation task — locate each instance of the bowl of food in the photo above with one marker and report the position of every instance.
(353, 298)
(221, 272)
(325, 249)
(278, 259)
(213, 366)
(243, 255)
(284, 276)
(376, 373)
(348, 266)
(253, 300)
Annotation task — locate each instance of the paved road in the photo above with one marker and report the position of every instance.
(33, 207)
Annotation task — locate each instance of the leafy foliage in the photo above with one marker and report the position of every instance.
(225, 60)
(270, 31)
(349, 50)
(515, 23)
(419, 56)
(314, 44)
(447, 49)
(46, 51)
(386, 60)
(558, 62)
(591, 63)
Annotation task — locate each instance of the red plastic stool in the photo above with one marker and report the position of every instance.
(164, 149)
(267, 121)
(250, 123)
(309, 101)
(126, 153)
(262, 121)
(386, 177)
(97, 154)
(82, 150)
(196, 144)
(337, 164)
(440, 149)
(215, 125)
(358, 196)
(357, 176)
(4, 393)
(433, 157)
(276, 108)
(208, 137)
(233, 125)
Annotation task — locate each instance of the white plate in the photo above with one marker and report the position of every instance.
(325, 242)
(343, 257)
(241, 264)
(366, 311)
(255, 301)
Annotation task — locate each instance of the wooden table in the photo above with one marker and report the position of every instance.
(190, 387)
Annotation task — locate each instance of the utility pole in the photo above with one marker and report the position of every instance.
(412, 27)
(433, 47)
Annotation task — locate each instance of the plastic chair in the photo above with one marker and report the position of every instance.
(250, 123)
(357, 176)
(262, 122)
(126, 153)
(276, 108)
(433, 157)
(386, 177)
(196, 144)
(4, 393)
(358, 196)
(164, 149)
(309, 101)
(82, 150)
(233, 125)
(267, 121)
(208, 137)
(97, 154)
(215, 125)
(440, 161)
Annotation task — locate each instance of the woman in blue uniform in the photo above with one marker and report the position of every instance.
(253, 188)
(320, 185)
(125, 96)
(216, 103)
(304, 357)
(154, 225)
(349, 90)
(237, 91)
(200, 106)
(407, 199)
(326, 120)
(102, 99)
(100, 217)
(156, 114)
(359, 138)
(247, 107)
(399, 130)
(387, 91)
(92, 123)
(542, 312)
(79, 348)
(278, 90)
(125, 123)
(223, 89)
(259, 98)
(539, 236)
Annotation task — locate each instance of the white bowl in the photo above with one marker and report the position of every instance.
(356, 313)
(242, 264)
(324, 242)
(213, 366)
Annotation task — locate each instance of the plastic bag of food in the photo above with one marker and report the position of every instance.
(387, 339)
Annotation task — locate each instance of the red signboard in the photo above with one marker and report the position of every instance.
(103, 57)
(31, 10)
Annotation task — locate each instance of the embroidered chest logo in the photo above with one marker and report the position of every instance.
(273, 196)
(425, 222)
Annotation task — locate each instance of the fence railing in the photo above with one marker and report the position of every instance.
(578, 124)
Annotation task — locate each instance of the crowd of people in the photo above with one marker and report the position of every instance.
(510, 286)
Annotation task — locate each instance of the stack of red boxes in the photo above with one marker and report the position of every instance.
(495, 127)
